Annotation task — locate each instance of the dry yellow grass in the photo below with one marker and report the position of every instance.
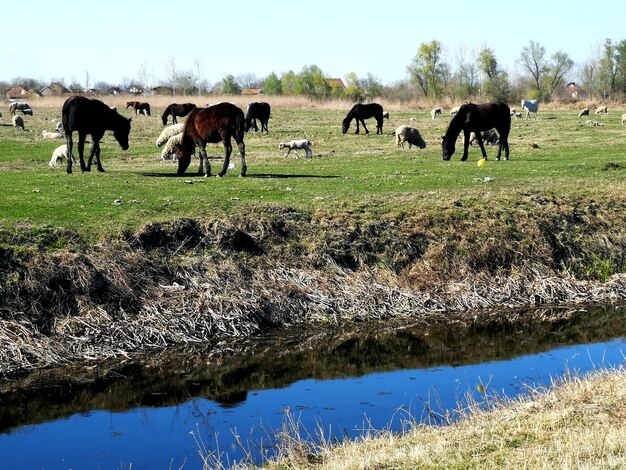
(580, 423)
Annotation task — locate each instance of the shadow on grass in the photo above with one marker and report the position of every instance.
(249, 175)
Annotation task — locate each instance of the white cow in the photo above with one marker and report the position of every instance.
(531, 106)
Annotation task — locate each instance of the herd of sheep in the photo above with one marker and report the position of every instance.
(171, 136)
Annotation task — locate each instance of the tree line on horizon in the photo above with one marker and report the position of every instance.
(431, 76)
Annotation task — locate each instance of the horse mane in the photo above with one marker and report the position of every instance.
(456, 123)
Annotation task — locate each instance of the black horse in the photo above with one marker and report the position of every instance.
(260, 111)
(93, 117)
(477, 118)
(213, 124)
(360, 112)
(177, 110)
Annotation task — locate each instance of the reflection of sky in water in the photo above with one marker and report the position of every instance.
(150, 438)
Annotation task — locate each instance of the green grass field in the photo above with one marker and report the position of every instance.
(556, 154)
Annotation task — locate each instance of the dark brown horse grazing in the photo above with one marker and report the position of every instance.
(139, 107)
(91, 117)
(360, 112)
(477, 118)
(177, 110)
(217, 123)
(260, 111)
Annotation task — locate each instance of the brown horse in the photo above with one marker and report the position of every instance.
(477, 118)
(139, 107)
(213, 124)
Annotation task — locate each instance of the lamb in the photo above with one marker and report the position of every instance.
(489, 137)
(58, 155)
(410, 135)
(584, 112)
(454, 110)
(589, 122)
(170, 147)
(517, 115)
(623, 119)
(386, 115)
(169, 132)
(52, 135)
(18, 121)
(435, 112)
(297, 144)
(602, 110)
(59, 126)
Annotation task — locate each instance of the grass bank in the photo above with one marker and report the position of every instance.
(578, 423)
(103, 265)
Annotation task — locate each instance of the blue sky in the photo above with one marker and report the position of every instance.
(115, 39)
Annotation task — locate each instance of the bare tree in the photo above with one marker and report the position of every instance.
(561, 64)
(533, 60)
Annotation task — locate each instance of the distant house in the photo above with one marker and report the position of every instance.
(336, 83)
(54, 89)
(252, 91)
(133, 90)
(114, 91)
(93, 92)
(17, 93)
(163, 90)
(572, 90)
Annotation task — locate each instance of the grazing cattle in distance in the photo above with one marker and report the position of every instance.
(177, 110)
(93, 117)
(360, 112)
(139, 107)
(477, 118)
(213, 124)
(260, 111)
(531, 106)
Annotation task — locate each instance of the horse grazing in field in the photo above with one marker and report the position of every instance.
(531, 106)
(260, 111)
(360, 112)
(139, 107)
(217, 123)
(93, 117)
(477, 118)
(177, 110)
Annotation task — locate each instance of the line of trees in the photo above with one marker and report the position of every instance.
(432, 74)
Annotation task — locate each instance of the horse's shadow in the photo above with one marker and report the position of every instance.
(249, 175)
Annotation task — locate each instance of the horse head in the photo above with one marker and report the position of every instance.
(447, 148)
(121, 133)
(345, 125)
(183, 151)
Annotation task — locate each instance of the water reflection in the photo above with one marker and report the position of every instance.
(340, 381)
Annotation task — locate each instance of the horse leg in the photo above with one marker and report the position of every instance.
(70, 156)
(242, 151)
(363, 122)
(203, 157)
(379, 126)
(479, 139)
(357, 126)
(466, 142)
(81, 150)
(174, 121)
(228, 149)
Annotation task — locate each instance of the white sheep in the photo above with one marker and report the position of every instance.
(386, 115)
(18, 121)
(297, 144)
(602, 110)
(47, 135)
(435, 112)
(589, 122)
(169, 132)
(623, 119)
(170, 147)
(584, 112)
(409, 135)
(58, 155)
(454, 110)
